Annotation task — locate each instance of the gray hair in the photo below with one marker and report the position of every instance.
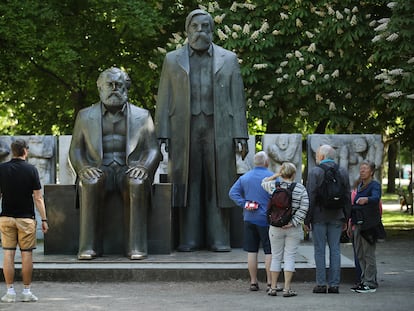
(195, 13)
(114, 70)
(327, 151)
(261, 159)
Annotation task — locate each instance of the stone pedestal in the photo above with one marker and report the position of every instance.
(63, 216)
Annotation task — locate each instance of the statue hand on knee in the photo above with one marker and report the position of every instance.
(137, 172)
(90, 173)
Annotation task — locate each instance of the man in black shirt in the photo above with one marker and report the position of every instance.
(19, 187)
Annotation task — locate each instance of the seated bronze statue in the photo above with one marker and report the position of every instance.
(114, 148)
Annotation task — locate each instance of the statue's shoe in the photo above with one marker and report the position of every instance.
(136, 255)
(87, 255)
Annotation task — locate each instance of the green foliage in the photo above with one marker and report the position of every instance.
(52, 53)
(394, 56)
(308, 66)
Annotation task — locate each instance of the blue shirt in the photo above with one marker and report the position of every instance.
(248, 188)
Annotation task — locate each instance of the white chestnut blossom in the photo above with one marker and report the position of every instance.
(348, 95)
(255, 34)
(410, 96)
(410, 61)
(384, 20)
(246, 29)
(392, 37)
(305, 82)
(284, 63)
(326, 77)
(309, 34)
(221, 35)
(289, 55)
(392, 5)
(331, 54)
(320, 13)
(249, 6)
(161, 50)
(276, 32)
(264, 27)
(299, 23)
(309, 66)
(219, 18)
(298, 54)
(234, 35)
(318, 98)
(339, 31)
(300, 73)
(396, 72)
(279, 70)
(354, 20)
(285, 76)
(267, 97)
(312, 47)
(332, 106)
(389, 81)
(237, 27)
(262, 103)
(303, 112)
(381, 76)
(283, 16)
(234, 6)
(381, 27)
(312, 78)
(338, 15)
(376, 38)
(331, 11)
(372, 23)
(395, 94)
(301, 59)
(227, 29)
(279, 80)
(152, 65)
(347, 11)
(355, 10)
(260, 66)
(320, 69)
(335, 74)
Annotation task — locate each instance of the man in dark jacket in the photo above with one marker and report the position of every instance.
(326, 224)
(201, 119)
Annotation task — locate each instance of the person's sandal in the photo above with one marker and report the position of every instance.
(289, 293)
(272, 292)
(254, 287)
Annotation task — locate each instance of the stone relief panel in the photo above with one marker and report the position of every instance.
(351, 150)
(247, 164)
(284, 148)
(42, 154)
(66, 174)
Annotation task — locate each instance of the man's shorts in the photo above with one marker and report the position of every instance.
(253, 235)
(18, 231)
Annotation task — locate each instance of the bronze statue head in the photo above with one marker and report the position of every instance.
(199, 26)
(113, 85)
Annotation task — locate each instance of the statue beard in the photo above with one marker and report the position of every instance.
(200, 41)
(115, 99)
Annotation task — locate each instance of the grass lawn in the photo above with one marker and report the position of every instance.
(397, 224)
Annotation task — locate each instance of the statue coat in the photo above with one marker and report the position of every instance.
(173, 116)
(141, 143)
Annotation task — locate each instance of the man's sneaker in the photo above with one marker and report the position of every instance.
(9, 298)
(333, 290)
(366, 289)
(319, 289)
(355, 287)
(29, 297)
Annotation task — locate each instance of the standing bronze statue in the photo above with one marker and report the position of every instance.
(201, 119)
(114, 148)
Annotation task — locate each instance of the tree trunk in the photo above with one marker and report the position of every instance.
(392, 169)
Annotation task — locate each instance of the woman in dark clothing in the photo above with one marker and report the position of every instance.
(366, 218)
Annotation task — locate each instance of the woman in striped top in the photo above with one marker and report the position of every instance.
(285, 240)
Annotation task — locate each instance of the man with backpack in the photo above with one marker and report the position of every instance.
(247, 193)
(330, 207)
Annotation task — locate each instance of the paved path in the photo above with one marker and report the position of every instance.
(395, 260)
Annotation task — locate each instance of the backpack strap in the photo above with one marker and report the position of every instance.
(292, 186)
